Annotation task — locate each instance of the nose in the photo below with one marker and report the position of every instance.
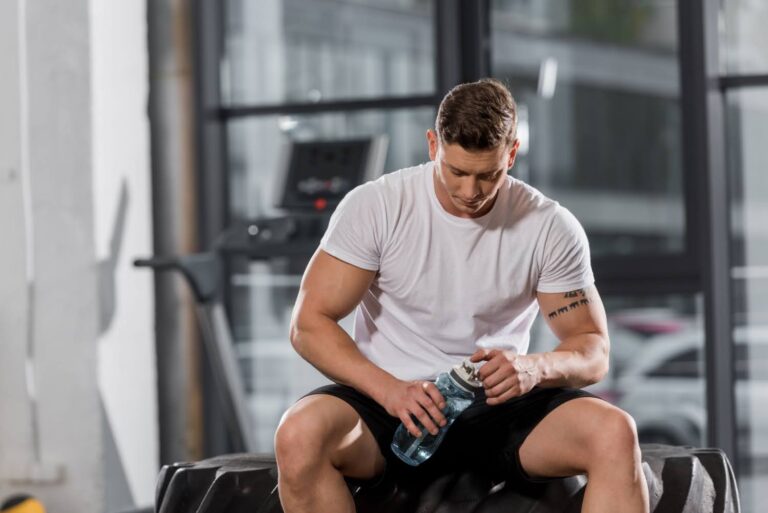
(470, 188)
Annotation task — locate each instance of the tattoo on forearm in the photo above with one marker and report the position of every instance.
(581, 299)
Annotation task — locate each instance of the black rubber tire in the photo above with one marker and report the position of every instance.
(679, 479)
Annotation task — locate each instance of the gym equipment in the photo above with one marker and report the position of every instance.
(680, 480)
(317, 175)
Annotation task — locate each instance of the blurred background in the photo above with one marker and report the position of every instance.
(220, 135)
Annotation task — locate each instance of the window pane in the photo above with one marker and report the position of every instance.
(600, 125)
(747, 116)
(305, 51)
(657, 371)
(275, 376)
(685, 364)
(648, 24)
(743, 37)
(257, 148)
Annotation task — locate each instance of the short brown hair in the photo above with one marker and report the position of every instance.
(477, 116)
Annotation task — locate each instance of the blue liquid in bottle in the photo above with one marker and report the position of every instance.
(458, 387)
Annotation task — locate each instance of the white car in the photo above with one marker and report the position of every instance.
(664, 389)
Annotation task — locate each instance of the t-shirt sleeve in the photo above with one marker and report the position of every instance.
(566, 260)
(356, 228)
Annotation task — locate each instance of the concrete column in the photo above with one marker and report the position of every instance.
(51, 447)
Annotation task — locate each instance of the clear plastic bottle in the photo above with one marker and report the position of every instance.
(458, 387)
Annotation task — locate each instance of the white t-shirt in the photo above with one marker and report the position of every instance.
(447, 285)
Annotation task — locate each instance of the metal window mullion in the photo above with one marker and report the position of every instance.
(462, 38)
(704, 158)
(475, 41)
(447, 45)
(212, 190)
(740, 81)
(213, 196)
(228, 112)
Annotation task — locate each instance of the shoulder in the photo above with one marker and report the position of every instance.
(527, 202)
(564, 218)
(540, 212)
(392, 191)
(400, 181)
(385, 196)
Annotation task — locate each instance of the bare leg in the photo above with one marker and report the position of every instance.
(320, 440)
(589, 436)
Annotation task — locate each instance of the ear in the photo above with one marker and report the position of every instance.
(432, 140)
(513, 154)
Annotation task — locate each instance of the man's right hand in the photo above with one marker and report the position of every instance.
(419, 399)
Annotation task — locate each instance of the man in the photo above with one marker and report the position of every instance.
(445, 261)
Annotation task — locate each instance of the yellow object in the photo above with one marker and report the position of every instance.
(26, 505)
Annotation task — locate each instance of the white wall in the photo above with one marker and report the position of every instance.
(50, 447)
(15, 409)
(121, 172)
(74, 147)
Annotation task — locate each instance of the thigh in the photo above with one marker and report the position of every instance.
(562, 444)
(325, 426)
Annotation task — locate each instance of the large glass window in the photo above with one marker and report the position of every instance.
(747, 116)
(743, 38)
(295, 51)
(598, 89)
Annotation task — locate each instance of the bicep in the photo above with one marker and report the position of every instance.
(573, 313)
(331, 287)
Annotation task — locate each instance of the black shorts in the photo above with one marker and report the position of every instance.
(483, 438)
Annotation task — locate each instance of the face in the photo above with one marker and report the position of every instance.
(467, 182)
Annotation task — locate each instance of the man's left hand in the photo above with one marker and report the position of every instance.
(505, 374)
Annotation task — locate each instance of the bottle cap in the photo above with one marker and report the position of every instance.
(466, 375)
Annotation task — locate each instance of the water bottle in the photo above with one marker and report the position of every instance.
(458, 387)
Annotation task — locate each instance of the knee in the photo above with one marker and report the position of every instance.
(298, 446)
(615, 437)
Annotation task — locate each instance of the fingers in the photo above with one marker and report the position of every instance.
(423, 418)
(495, 359)
(424, 405)
(482, 354)
(499, 376)
(433, 392)
(508, 384)
(411, 426)
(435, 414)
(506, 396)
(493, 379)
(477, 356)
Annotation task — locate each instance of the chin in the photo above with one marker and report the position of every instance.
(465, 208)
(462, 207)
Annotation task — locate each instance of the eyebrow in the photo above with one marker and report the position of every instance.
(468, 173)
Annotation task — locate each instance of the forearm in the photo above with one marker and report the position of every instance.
(577, 362)
(325, 345)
